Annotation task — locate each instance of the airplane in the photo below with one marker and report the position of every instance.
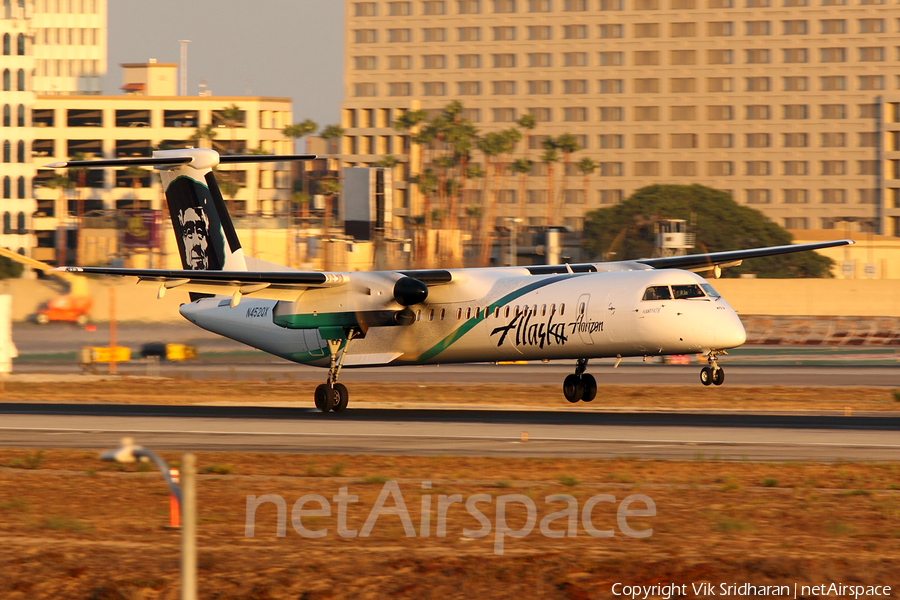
(632, 308)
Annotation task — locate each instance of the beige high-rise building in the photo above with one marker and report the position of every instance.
(790, 105)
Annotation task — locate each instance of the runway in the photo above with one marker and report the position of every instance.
(669, 435)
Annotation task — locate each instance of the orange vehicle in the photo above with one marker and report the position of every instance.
(74, 309)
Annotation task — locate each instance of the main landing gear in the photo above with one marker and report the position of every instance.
(713, 374)
(331, 395)
(580, 385)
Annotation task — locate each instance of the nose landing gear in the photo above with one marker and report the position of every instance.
(331, 395)
(580, 385)
(713, 374)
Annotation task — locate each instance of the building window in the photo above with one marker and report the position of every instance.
(364, 90)
(795, 84)
(434, 34)
(611, 31)
(399, 9)
(541, 115)
(574, 32)
(757, 27)
(795, 27)
(434, 61)
(795, 111)
(538, 6)
(504, 115)
(6, 44)
(469, 34)
(612, 113)
(646, 30)
(504, 6)
(683, 140)
(757, 84)
(364, 9)
(720, 84)
(504, 34)
(720, 168)
(757, 112)
(646, 113)
(833, 111)
(611, 169)
(574, 86)
(539, 59)
(646, 58)
(720, 113)
(833, 83)
(434, 88)
(468, 61)
(833, 167)
(504, 88)
(20, 115)
(575, 114)
(646, 4)
(758, 196)
(646, 168)
(719, 57)
(756, 56)
(796, 167)
(871, 26)
(869, 139)
(7, 151)
(469, 88)
(469, 7)
(866, 111)
(832, 26)
(867, 167)
(399, 62)
(757, 168)
(399, 36)
(644, 141)
(399, 88)
(796, 196)
(719, 140)
(503, 61)
(683, 30)
(611, 4)
(720, 28)
(6, 115)
(365, 36)
(866, 196)
(575, 59)
(871, 54)
(683, 168)
(831, 55)
(795, 55)
(610, 196)
(833, 140)
(609, 141)
(20, 188)
(575, 5)
(683, 113)
(757, 140)
(539, 32)
(534, 87)
(833, 196)
(7, 188)
(612, 59)
(871, 82)
(20, 151)
(683, 57)
(365, 63)
(646, 85)
(434, 7)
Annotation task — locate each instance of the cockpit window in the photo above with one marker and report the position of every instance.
(687, 291)
(710, 291)
(657, 292)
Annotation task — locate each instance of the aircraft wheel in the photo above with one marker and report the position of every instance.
(590, 387)
(324, 397)
(706, 376)
(342, 397)
(718, 377)
(573, 388)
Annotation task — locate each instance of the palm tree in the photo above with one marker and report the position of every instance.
(299, 130)
(549, 157)
(232, 115)
(523, 168)
(204, 132)
(329, 188)
(492, 145)
(332, 132)
(409, 122)
(61, 183)
(586, 166)
(427, 182)
(568, 144)
(135, 174)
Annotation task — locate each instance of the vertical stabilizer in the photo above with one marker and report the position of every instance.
(203, 228)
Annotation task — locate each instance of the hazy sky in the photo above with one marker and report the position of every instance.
(283, 48)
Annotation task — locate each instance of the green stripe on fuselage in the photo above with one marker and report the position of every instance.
(315, 321)
(472, 322)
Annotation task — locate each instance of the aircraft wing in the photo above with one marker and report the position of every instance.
(274, 285)
(705, 262)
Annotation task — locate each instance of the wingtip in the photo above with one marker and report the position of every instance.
(57, 165)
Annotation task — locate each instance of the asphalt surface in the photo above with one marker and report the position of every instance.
(732, 436)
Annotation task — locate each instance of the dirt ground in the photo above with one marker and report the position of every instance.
(74, 527)
(142, 390)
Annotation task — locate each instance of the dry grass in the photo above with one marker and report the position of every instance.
(76, 528)
(137, 390)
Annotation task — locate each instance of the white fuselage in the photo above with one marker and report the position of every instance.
(487, 315)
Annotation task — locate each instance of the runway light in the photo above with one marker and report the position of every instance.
(524, 436)
(848, 410)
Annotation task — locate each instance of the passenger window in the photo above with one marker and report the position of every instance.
(506, 313)
(657, 292)
(543, 310)
(517, 310)
(418, 316)
(581, 308)
(431, 315)
(687, 291)
(710, 291)
(562, 309)
(534, 310)
(497, 312)
(552, 309)
(468, 313)
(442, 314)
(477, 311)
(458, 314)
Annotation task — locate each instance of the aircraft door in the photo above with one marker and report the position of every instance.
(614, 314)
(581, 318)
(314, 343)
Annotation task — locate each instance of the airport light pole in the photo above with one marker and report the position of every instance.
(187, 504)
(513, 241)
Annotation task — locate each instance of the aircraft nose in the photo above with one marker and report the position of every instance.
(730, 331)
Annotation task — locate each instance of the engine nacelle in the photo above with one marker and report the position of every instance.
(409, 291)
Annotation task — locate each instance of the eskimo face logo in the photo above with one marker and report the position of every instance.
(195, 237)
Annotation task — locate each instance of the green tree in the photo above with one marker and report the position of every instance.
(135, 174)
(232, 115)
(10, 269)
(204, 132)
(302, 129)
(719, 223)
(586, 166)
(567, 144)
(522, 167)
(332, 132)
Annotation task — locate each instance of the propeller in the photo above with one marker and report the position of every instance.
(407, 292)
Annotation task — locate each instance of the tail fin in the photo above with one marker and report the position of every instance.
(203, 228)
